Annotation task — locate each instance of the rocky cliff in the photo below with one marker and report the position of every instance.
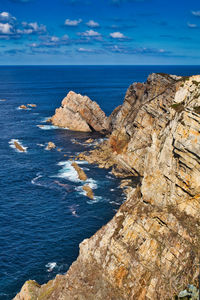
(150, 249)
(80, 113)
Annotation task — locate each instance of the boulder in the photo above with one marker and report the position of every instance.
(80, 113)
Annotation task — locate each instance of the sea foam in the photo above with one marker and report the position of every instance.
(35, 179)
(50, 127)
(51, 266)
(67, 171)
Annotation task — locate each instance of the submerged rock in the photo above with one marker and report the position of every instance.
(80, 113)
(80, 172)
(50, 146)
(89, 192)
(150, 249)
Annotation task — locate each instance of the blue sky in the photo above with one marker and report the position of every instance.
(99, 32)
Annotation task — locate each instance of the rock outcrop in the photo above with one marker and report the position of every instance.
(81, 174)
(50, 146)
(89, 192)
(151, 248)
(19, 147)
(79, 113)
(23, 106)
(32, 105)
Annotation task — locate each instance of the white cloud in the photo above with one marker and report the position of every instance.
(54, 39)
(33, 45)
(117, 35)
(84, 50)
(33, 27)
(90, 33)
(5, 28)
(192, 25)
(51, 41)
(65, 37)
(92, 24)
(7, 17)
(10, 28)
(69, 22)
(196, 13)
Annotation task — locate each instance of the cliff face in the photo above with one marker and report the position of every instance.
(150, 249)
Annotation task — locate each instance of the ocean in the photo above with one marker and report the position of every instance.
(44, 214)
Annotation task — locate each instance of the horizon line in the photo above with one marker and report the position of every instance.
(98, 65)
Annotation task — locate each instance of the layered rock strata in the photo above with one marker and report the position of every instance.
(150, 249)
(80, 113)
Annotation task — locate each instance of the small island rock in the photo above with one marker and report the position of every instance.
(80, 172)
(23, 106)
(19, 147)
(80, 113)
(50, 146)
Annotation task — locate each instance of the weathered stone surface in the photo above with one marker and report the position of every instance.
(50, 146)
(29, 291)
(80, 172)
(79, 113)
(150, 249)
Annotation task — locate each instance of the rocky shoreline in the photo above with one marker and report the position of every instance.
(150, 249)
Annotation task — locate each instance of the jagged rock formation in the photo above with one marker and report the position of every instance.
(150, 249)
(79, 113)
(50, 146)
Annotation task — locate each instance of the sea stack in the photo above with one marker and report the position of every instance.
(150, 249)
(80, 113)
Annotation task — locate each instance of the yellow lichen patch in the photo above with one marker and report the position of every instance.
(191, 206)
(119, 275)
(194, 132)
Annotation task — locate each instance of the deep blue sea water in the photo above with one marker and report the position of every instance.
(43, 212)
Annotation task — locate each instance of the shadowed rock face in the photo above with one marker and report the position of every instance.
(79, 113)
(150, 249)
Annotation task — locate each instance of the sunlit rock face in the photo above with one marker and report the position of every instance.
(150, 249)
(79, 113)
